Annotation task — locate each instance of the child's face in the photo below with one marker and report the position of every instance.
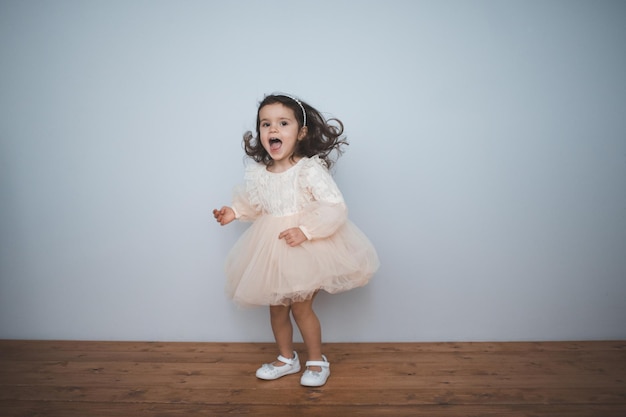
(280, 133)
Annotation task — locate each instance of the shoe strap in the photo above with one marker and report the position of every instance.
(288, 361)
(322, 364)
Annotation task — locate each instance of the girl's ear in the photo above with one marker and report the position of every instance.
(303, 131)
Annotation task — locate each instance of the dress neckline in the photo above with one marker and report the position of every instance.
(288, 169)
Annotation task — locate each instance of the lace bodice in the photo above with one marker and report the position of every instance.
(289, 192)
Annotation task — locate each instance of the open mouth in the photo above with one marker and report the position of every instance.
(275, 144)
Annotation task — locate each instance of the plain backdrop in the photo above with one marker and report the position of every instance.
(487, 163)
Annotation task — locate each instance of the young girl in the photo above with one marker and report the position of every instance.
(301, 240)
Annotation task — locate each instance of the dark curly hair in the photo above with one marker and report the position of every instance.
(322, 137)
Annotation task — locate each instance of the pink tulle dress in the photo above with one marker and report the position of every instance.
(262, 269)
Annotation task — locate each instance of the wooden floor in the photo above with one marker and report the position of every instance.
(135, 379)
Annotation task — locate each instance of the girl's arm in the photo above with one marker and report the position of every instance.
(319, 221)
(242, 207)
(322, 219)
(327, 212)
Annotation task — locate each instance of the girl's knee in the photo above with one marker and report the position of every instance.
(302, 309)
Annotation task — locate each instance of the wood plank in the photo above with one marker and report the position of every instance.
(392, 365)
(42, 409)
(262, 354)
(22, 348)
(71, 378)
(330, 395)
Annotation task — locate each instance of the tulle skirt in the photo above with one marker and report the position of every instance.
(262, 269)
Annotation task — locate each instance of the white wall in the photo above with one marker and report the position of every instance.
(487, 163)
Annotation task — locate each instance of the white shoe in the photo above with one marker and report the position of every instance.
(314, 378)
(270, 371)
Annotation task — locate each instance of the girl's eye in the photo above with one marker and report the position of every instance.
(284, 123)
(265, 124)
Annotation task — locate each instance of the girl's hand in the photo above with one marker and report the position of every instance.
(293, 236)
(224, 215)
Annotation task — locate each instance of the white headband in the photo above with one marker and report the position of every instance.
(301, 106)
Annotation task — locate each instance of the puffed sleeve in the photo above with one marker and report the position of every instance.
(245, 201)
(327, 211)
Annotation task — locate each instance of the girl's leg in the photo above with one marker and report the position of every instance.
(283, 331)
(310, 328)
